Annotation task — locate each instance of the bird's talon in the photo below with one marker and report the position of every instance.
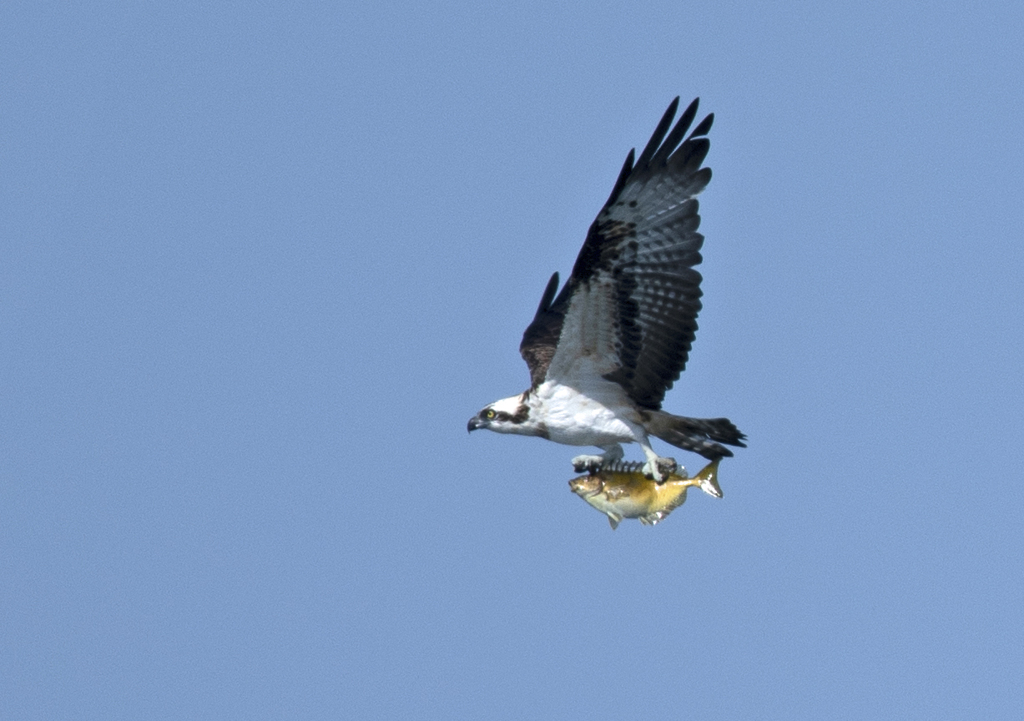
(659, 469)
(590, 464)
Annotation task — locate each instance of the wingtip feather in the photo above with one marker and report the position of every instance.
(704, 126)
(549, 294)
(659, 134)
(627, 169)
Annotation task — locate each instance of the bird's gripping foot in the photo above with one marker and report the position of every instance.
(659, 469)
(593, 464)
(589, 464)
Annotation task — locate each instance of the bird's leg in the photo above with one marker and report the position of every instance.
(593, 464)
(658, 468)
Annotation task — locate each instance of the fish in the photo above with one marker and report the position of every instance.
(620, 490)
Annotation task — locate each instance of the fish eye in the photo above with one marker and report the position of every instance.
(489, 414)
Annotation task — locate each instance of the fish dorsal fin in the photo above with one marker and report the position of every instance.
(622, 467)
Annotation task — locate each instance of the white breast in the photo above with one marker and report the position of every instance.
(597, 416)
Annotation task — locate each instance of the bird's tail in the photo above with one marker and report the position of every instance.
(700, 435)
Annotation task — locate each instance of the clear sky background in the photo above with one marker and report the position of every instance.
(259, 264)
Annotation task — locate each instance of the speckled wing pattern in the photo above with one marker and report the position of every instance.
(638, 261)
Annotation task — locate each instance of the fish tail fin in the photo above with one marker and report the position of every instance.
(708, 479)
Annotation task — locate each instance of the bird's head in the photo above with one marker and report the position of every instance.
(509, 415)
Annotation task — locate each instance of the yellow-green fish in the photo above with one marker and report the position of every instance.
(621, 490)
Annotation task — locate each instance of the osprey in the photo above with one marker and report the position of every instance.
(605, 349)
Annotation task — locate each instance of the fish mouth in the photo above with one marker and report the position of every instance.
(584, 488)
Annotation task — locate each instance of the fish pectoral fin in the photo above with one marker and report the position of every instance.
(613, 519)
(615, 493)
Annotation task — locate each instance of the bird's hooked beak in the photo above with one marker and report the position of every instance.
(475, 423)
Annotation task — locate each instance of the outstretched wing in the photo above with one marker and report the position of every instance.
(629, 310)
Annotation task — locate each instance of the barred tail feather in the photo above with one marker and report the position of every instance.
(700, 435)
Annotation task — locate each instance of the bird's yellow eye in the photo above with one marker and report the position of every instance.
(489, 414)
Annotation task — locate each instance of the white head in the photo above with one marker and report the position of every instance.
(509, 415)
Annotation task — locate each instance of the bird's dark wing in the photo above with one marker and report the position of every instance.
(630, 306)
(541, 337)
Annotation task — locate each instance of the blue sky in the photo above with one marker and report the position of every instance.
(259, 263)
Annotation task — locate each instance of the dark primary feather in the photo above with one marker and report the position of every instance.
(645, 243)
(541, 337)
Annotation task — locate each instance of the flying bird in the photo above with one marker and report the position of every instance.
(604, 349)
